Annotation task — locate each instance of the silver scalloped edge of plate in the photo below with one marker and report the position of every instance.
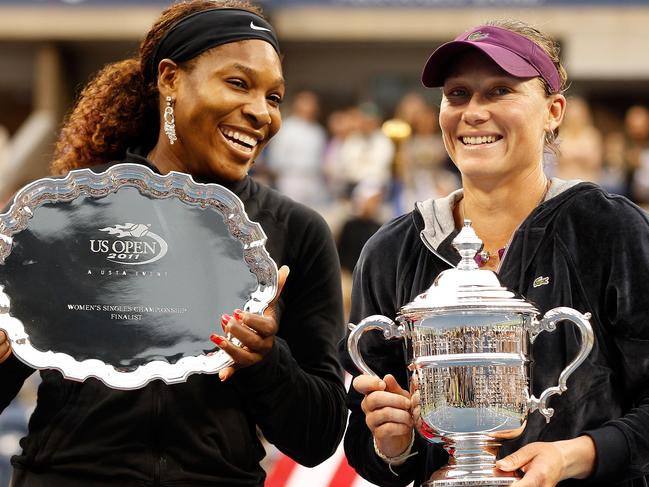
(111, 376)
(84, 182)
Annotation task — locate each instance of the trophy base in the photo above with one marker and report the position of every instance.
(471, 482)
(471, 476)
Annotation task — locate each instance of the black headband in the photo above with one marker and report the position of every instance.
(203, 30)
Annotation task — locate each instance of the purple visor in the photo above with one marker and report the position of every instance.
(514, 53)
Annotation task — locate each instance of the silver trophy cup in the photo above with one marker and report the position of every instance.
(467, 341)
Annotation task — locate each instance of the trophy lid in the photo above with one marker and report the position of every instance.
(467, 287)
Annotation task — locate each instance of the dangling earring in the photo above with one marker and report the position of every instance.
(170, 121)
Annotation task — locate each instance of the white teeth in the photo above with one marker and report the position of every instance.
(485, 139)
(246, 139)
(240, 146)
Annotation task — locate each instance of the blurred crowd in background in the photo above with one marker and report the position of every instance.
(359, 167)
(358, 163)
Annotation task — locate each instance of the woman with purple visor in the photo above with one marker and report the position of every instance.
(558, 243)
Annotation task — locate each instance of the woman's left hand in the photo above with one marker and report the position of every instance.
(546, 464)
(256, 333)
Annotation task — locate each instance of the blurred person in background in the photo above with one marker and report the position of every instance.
(202, 97)
(502, 106)
(636, 130)
(614, 174)
(581, 144)
(424, 169)
(340, 124)
(409, 106)
(366, 219)
(366, 153)
(296, 154)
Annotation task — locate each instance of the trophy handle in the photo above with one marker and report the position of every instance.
(374, 322)
(549, 323)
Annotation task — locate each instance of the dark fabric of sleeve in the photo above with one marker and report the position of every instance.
(623, 313)
(376, 290)
(296, 394)
(370, 296)
(13, 374)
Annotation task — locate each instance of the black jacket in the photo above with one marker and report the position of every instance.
(204, 432)
(594, 249)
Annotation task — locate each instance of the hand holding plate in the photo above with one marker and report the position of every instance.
(255, 333)
(5, 347)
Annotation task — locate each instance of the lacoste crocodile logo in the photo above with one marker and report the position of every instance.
(541, 281)
(477, 36)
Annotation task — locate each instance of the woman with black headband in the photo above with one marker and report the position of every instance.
(558, 243)
(203, 98)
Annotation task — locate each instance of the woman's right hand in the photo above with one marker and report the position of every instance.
(387, 409)
(5, 347)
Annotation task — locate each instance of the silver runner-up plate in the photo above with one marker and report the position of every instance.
(123, 275)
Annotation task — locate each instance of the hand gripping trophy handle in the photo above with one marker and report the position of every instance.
(549, 323)
(375, 322)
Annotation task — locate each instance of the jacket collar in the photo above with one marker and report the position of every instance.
(437, 222)
(438, 218)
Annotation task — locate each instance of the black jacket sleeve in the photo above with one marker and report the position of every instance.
(296, 394)
(374, 292)
(620, 262)
(13, 374)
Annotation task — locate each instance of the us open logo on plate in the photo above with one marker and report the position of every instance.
(130, 244)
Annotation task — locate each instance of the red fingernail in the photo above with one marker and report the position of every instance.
(217, 339)
(224, 322)
(238, 314)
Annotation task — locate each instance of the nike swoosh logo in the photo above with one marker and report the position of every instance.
(256, 27)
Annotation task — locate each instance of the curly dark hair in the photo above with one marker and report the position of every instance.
(118, 108)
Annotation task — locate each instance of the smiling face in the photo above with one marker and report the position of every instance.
(494, 124)
(226, 108)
